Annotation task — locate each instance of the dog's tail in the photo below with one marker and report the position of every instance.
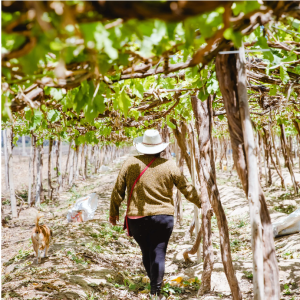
(37, 219)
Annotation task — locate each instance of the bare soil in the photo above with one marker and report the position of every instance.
(93, 260)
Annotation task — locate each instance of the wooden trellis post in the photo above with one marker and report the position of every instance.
(196, 209)
(4, 133)
(23, 146)
(10, 174)
(38, 177)
(253, 183)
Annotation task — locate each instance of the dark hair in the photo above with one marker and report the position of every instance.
(158, 154)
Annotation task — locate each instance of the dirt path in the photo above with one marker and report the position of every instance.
(94, 260)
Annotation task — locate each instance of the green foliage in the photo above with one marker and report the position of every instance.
(94, 247)
(244, 7)
(262, 43)
(22, 254)
(76, 258)
(242, 223)
(236, 37)
(168, 289)
(287, 210)
(248, 274)
(10, 42)
(283, 74)
(79, 66)
(287, 290)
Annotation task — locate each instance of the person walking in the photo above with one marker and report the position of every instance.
(149, 180)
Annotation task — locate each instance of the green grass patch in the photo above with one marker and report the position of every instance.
(285, 209)
(248, 274)
(76, 258)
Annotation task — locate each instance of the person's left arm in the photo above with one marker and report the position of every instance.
(118, 195)
(185, 187)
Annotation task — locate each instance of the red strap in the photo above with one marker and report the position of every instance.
(129, 198)
(75, 216)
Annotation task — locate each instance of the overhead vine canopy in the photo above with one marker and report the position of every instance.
(104, 70)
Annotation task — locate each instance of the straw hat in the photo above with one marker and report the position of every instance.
(150, 142)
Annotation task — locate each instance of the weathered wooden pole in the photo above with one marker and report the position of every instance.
(287, 157)
(264, 157)
(33, 167)
(30, 176)
(10, 174)
(204, 121)
(85, 161)
(82, 162)
(227, 70)
(178, 208)
(253, 183)
(38, 177)
(4, 132)
(23, 146)
(59, 164)
(196, 209)
(50, 168)
(71, 165)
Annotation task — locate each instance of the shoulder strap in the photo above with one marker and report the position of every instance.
(129, 198)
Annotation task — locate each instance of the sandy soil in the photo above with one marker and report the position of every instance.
(93, 260)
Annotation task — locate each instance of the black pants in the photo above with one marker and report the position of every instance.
(152, 233)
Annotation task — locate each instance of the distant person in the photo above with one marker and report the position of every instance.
(150, 211)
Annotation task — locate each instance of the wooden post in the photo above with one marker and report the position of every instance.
(178, 204)
(54, 147)
(92, 161)
(196, 209)
(287, 157)
(225, 152)
(82, 162)
(50, 168)
(253, 183)
(4, 132)
(227, 75)
(33, 166)
(59, 164)
(268, 155)
(259, 156)
(291, 150)
(95, 159)
(67, 163)
(204, 121)
(76, 173)
(23, 146)
(264, 157)
(41, 172)
(85, 161)
(10, 173)
(274, 146)
(71, 165)
(89, 152)
(101, 156)
(38, 177)
(30, 176)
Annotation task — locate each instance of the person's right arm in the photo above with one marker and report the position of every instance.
(185, 187)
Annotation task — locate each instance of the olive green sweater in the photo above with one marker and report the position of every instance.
(153, 193)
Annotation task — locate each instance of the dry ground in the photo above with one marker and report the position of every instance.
(94, 260)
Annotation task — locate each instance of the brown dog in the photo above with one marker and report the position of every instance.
(41, 235)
